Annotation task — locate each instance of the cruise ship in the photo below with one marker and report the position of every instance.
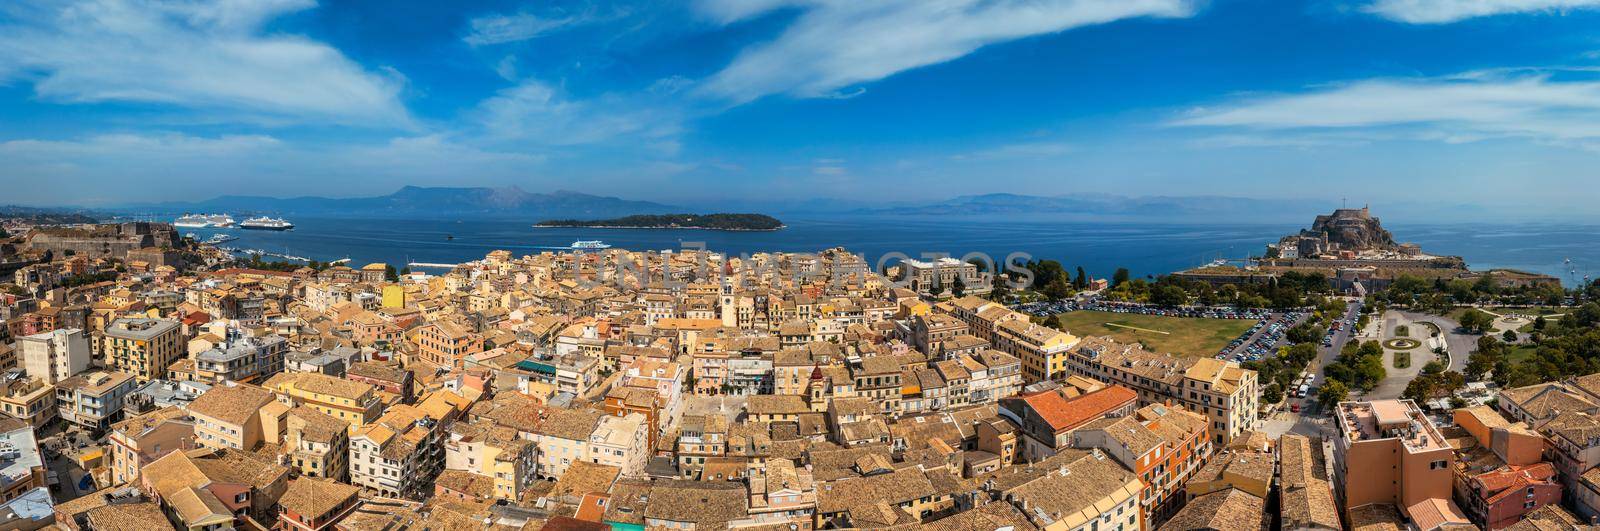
(192, 221)
(590, 244)
(266, 223)
(203, 221)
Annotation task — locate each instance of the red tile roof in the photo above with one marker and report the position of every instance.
(1512, 479)
(1064, 414)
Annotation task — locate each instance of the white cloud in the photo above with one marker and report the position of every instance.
(205, 55)
(835, 44)
(500, 29)
(537, 112)
(1456, 109)
(1446, 11)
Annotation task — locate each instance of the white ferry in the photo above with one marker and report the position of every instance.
(590, 244)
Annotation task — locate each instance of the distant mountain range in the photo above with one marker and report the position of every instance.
(423, 202)
(514, 203)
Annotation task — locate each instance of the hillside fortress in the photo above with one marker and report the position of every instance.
(1352, 249)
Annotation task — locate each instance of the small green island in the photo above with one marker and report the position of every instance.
(751, 222)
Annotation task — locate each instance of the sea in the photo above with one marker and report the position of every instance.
(1569, 252)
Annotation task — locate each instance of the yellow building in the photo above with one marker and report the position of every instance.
(487, 449)
(31, 400)
(353, 402)
(230, 416)
(394, 296)
(317, 443)
(142, 347)
(1043, 350)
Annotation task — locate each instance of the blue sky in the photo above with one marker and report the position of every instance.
(1493, 102)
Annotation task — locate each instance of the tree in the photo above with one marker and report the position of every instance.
(936, 290)
(1510, 336)
(390, 274)
(1488, 357)
(1120, 277)
(4, 234)
(1272, 394)
(1045, 272)
(1475, 321)
(1169, 295)
(959, 288)
(1434, 367)
(1057, 289)
(1081, 281)
(405, 271)
(1332, 393)
(1539, 323)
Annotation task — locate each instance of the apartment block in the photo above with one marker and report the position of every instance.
(355, 403)
(1386, 452)
(140, 440)
(142, 347)
(1047, 418)
(93, 399)
(1163, 445)
(29, 399)
(1224, 392)
(317, 444)
(244, 359)
(55, 355)
(230, 416)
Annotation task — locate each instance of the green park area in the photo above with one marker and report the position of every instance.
(1185, 336)
(1517, 354)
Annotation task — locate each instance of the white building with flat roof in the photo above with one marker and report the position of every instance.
(56, 355)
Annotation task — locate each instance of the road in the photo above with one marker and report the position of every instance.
(1457, 345)
(1326, 355)
(1309, 421)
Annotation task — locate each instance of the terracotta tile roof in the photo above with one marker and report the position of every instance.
(1550, 517)
(1231, 509)
(1432, 513)
(1063, 414)
(707, 504)
(1307, 496)
(1376, 517)
(143, 515)
(320, 384)
(233, 405)
(315, 497)
(319, 426)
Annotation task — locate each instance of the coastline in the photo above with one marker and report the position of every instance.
(657, 227)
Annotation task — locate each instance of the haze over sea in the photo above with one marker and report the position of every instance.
(1143, 248)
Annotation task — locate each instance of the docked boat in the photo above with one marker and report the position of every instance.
(266, 223)
(192, 221)
(216, 239)
(589, 244)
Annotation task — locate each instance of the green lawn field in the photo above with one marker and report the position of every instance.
(1183, 336)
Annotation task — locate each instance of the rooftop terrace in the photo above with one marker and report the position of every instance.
(1390, 419)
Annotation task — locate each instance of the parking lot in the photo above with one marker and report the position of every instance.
(1047, 308)
(1260, 341)
(1264, 338)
